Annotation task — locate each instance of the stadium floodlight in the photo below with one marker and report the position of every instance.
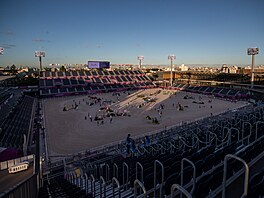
(40, 54)
(171, 58)
(252, 51)
(1, 51)
(140, 58)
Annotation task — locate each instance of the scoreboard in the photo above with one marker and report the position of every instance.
(98, 64)
(39, 54)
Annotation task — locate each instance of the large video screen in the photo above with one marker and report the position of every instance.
(98, 64)
(39, 54)
(253, 51)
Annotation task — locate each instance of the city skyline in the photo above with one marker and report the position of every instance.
(197, 32)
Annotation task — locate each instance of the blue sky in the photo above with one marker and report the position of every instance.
(75, 31)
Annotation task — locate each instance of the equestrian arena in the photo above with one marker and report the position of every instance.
(77, 123)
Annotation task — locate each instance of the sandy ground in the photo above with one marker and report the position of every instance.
(69, 131)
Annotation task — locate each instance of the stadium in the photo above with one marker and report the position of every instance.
(104, 132)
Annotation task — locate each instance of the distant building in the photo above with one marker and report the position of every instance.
(183, 67)
(224, 69)
(229, 70)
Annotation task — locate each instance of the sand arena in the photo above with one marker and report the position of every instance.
(72, 130)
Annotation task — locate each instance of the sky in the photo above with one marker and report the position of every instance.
(76, 31)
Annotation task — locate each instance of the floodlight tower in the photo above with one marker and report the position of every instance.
(171, 58)
(40, 54)
(140, 58)
(252, 51)
(1, 51)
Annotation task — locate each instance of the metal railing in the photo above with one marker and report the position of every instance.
(115, 181)
(181, 189)
(194, 173)
(102, 184)
(155, 177)
(140, 184)
(225, 174)
(125, 179)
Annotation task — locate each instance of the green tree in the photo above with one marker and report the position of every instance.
(62, 68)
(13, 69)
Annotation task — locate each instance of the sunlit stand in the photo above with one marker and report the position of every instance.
(171, 58)
(252, 51)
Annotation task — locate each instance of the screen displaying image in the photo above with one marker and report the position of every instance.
(93, 64)
(98, 64)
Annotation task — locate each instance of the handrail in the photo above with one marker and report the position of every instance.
(95, 170)
(182, 139)
(102, 181)
(127, 168)
(243, 130)
(75, 178)
(225, 173)
(86, 183)
(92, 184)
(256, 134)
(81, 179)
(155, 177)
(180, 188)
(194, 173)
(115, 170)
(141, 186)
(145, 150)
(161, 147)
(227, 135)
(230, 135)
(114, 180)
(252, 116)
(207, 141)
(139, 165)
(214, 137)
(107, 172)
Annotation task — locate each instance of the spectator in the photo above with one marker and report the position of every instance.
(143, 143)
(147, 140)
(133, 146)
(128, 143)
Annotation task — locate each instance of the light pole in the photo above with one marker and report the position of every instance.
(1, 51)
(40, 54)
(171, 58)
(140, 58)
(252, 51)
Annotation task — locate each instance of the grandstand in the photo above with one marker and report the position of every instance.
(17, 113)
(92, 81)
(231, 94)
(207, 157)
(192, 155)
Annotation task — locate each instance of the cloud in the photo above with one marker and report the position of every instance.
(99, 46)
(41, 40)
(7, 33)
(8, 46)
